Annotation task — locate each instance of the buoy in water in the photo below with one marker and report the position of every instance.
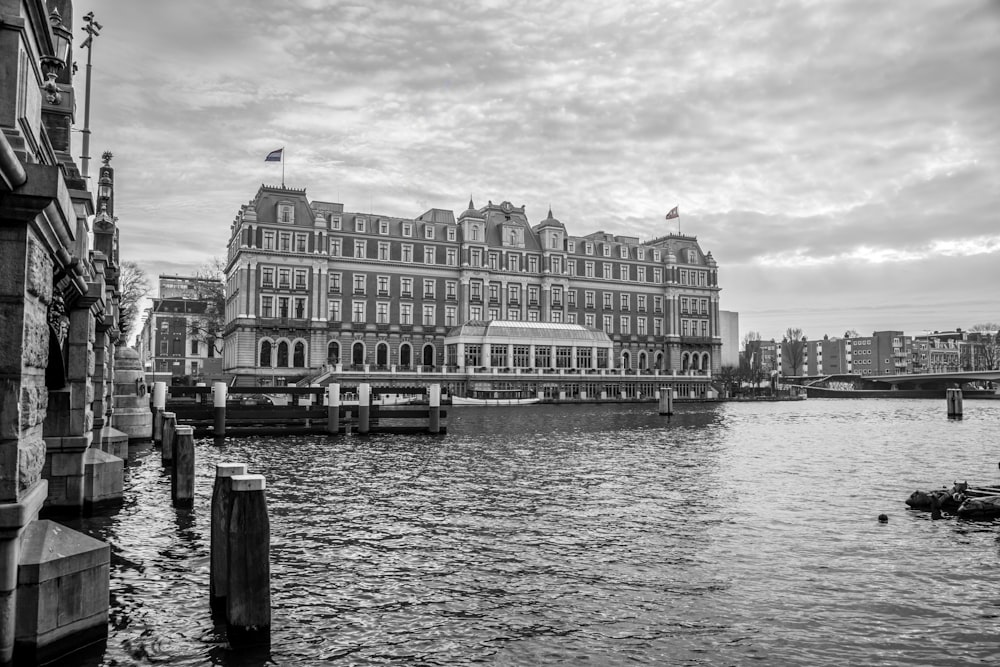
(882, 518)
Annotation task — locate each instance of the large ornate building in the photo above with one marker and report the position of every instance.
(311, 286)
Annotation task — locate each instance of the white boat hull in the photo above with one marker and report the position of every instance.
(461, 400)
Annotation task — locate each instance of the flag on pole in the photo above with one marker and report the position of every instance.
(673, 214)
(274, 156)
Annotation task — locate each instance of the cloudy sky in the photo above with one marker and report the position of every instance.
(841, 160)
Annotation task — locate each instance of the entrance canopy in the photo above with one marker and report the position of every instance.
(518, 332)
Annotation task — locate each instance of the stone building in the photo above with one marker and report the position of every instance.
(310, 286)
(58, 327)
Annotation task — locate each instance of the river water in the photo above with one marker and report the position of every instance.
(730, 534)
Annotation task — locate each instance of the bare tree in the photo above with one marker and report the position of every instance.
(793, 348)
(211, 288)
(984, 345)
(852, 333)
(729, 377)
(134, 286)
(751, 365)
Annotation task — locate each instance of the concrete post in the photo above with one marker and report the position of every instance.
(159, 404)
(168, 435)
(434, 395)
(182, 474)
(219, 389)
(333, 408)
(219, 567)
(364, 406)
(248, 599)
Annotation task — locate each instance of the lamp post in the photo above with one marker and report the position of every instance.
(93, 29)
(53, 64)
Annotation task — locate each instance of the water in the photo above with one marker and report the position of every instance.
(605, 535)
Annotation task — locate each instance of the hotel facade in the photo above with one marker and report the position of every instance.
(314, 289)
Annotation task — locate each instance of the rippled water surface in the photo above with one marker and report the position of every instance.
(606, 535)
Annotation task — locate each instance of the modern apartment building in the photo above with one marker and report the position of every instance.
(311, 286)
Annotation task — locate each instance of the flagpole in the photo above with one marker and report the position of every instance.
(282, 167)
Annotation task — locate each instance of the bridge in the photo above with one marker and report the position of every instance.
(899, 381)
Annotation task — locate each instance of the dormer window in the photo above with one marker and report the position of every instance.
(407, 229)
(606, 249)
(359, 225)
(624, 252)
(451, 233)
(335, 223)
(286, 213)
(428, 232)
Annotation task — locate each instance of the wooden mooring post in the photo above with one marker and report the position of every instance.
(182, 473)
(168, 435)
(159, 404)
(219, 391)
(333, 408)
(434, 416)
(219, 542)
(953, 399)
(248, 599)
(666, 402)
(364, 407)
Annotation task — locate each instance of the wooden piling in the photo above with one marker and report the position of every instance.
(666, 402)
(168, 438)
(364, 406)
(219, 542)
(219, 390)
(248, 599)
(434, 418)
(182, 473)
(333, 408)
(953, 399)
(159, 405)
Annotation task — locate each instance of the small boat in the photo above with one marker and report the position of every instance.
(464, 400)
(985, 507)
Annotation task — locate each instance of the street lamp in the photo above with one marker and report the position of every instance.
(93, 29)
(53, 64)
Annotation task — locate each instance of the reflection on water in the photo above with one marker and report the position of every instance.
(562, 534)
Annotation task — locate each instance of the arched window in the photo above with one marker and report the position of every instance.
(283, 354)
(626, 360)
(428, 355)
(405, 355)
(333, 353)
(685, 360)
(382, 354)
(659, 361)
(299, 355)
(358, 354)
(265, 354)
(642, 361)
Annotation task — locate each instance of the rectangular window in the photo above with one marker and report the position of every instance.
(623, 273)
(475, 257)
(358, 312)
(300, 278)
(194, 346)
(494, 292)
(407, 252)
(285, 239)
(571, 267)
(607, 301)
(588, 319)
(513, 294)
(333, 310)
(300, 243)
(557, 316)
(335, 223)
(383, 251)
(300, 307)
(532, 295)
(407, 229)
(406, 313)
(476, 289)
(284, 276)
(406, 287)
(335, 282)
(494, 261)
(452, 257)
(382, 312)
(607, 270)
(450, 316)
(588, 299)
(640, 274)
(571, 298)
(428, 255)
(657, 327)
(514, 314)
(556, 265)
(267, 276)
(640, 303)
(570, 246)
(606, 250)
(359, 283)
(589, 269)
(513, 263)
(588, 248)
(532, 315)
(383, 285)
(624, 302)
(640, 325)
(608, 328)
(557, 297)
(475, 312)
(657, 276)
(268, 240)
(684, 305)
(428, 315)
(383, 227)
(335, 247)
(624, 321)
(451, 234)
(451, 290)
(429, 288)
(533, 264)
(657, 304)
(282, 307)
(359, 225)
(624, 252)
(428, 232)
(359, 249)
